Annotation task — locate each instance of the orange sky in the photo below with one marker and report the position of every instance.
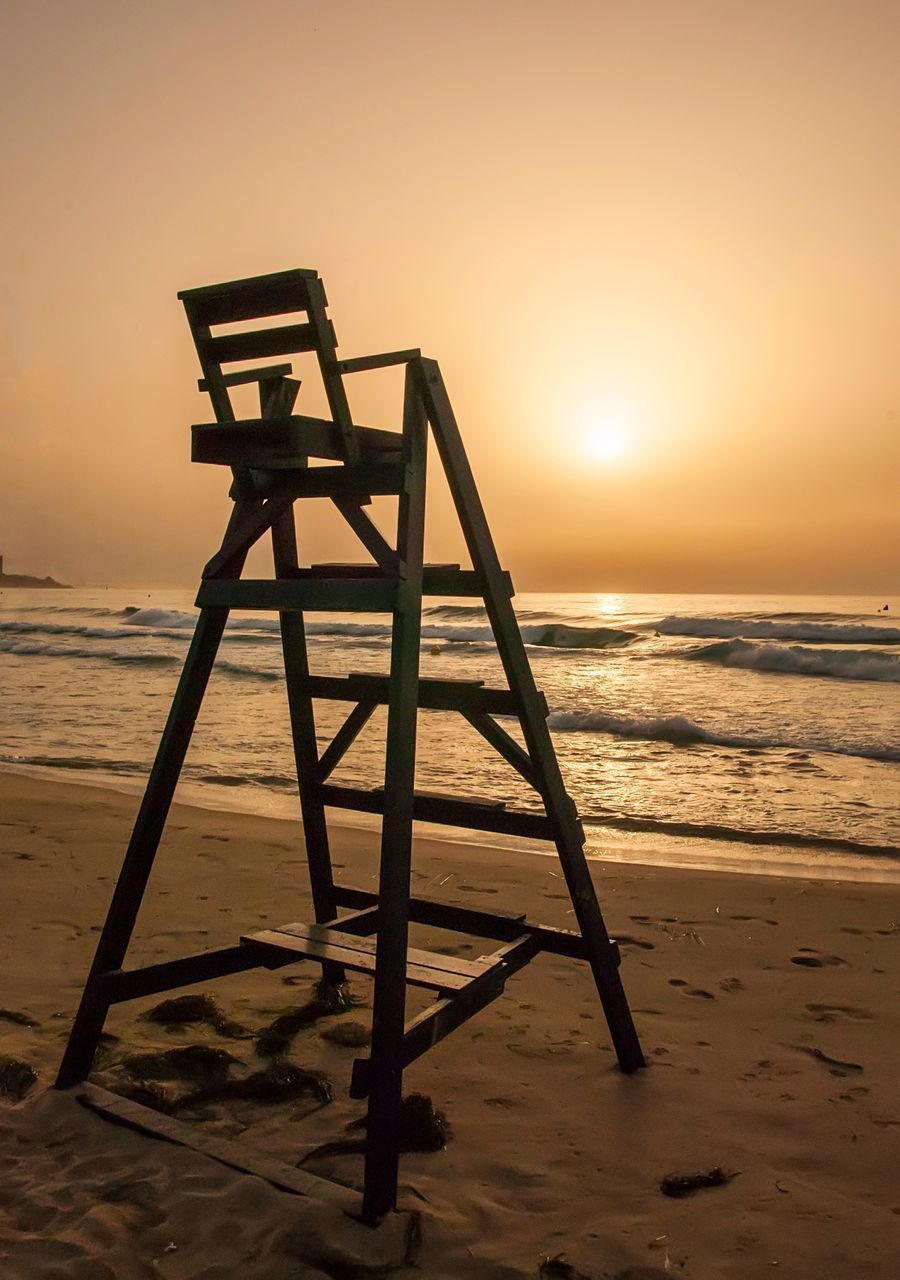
(672, 222)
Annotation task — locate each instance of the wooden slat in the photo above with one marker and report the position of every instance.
(280, 293)
(351, 958)
(359, 364)
(242, 377)
(331, 595)
(236, 1155)
(258, 343)
(262, 442)
(446, 810)
(459, 965)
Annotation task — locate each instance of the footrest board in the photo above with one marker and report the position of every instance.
(427, 969)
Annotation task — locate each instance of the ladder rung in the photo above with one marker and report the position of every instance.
(280, 293)
(318, 595)
(434, 695)
(268, 442)
(448, 810)
(258, 343)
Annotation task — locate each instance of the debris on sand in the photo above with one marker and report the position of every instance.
(328, 999)
(557, 1268)
(278, 1083)
(422, 1128)
(685, 1184)
(16, 1078)
(149, 1093)
(20, 1019)
(351, 1034)
(202, 1064)
(179, 1011)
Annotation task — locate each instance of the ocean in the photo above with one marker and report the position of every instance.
(739, 732)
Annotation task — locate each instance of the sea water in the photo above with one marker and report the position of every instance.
(720, 729)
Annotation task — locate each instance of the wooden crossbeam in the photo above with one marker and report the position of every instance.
(371, 537)
(317, 595)
(247, 530)
(359, 364)
(500, 925)
(505, 745)
(433, 695)
(345, 737)
(235, 1155)
(130, 984)
(449, 811)
(262, 441)
(330, 482)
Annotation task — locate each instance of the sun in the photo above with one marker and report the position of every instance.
(608, 440)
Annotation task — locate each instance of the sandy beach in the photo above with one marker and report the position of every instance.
(768, 1013)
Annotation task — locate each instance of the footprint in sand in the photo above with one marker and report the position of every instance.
(810, 959)
(628, 940)
(698, 992)
(833, 1012)
(732, 984)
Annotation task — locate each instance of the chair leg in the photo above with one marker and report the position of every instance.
(389, 1003)
(148, 829)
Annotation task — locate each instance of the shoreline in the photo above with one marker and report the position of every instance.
(753, 857)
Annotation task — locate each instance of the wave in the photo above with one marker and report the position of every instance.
(866, 664)
(175, 622)
(39, 649)
(680, 731)
(779, 627)
(742, 835)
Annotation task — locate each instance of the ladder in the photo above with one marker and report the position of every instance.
(354, 930)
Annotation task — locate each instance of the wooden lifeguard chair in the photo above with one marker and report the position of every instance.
(354, 929)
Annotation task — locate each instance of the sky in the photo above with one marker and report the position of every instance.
(653, 244)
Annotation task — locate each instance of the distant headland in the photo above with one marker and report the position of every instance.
(26, 580)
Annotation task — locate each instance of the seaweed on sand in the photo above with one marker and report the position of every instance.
(328, 999)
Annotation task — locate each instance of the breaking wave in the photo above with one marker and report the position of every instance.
(780, 627)
(682, 732)
(866, 664)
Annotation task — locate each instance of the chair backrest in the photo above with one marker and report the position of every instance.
(297, 292)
